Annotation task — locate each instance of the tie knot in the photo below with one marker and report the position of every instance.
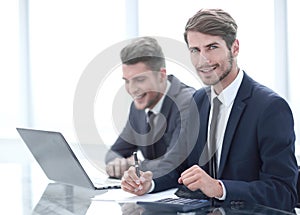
(150, 115)
(217, 103)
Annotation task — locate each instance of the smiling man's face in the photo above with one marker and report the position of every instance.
(213, 61)
(145, 86)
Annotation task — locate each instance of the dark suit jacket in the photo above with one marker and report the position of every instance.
(258, 163)
(174, 113)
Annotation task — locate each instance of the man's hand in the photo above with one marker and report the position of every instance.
(196, 178)
(133, 184)
(118, 166)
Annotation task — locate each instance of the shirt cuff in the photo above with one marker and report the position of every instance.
(224, 191)
(152, 187)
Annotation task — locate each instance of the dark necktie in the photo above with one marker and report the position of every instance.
(149, 119)
(150, 129)
(213, 138)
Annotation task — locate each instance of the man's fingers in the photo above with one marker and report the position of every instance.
(130, 181)
(130, 160)
(146, 183)
(146, 176)
(117, 167)
(191, 175)
(180, 181)
(110, 169)
(133, 184)
(123, 165)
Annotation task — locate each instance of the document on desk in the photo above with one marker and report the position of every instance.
(120, 196)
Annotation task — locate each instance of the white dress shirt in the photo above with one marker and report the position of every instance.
(227, 97)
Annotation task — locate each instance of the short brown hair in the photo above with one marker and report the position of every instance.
(214, 22)
(145, 50)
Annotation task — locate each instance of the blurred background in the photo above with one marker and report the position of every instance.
(46, 45)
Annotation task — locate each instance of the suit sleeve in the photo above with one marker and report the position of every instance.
(176, 160)
(122, 148)
(276, 185)
(182, 102)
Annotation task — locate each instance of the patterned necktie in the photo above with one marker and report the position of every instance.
(213, 138)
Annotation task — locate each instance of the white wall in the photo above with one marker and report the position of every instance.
(43, 55)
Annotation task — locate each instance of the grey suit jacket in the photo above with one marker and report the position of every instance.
(165, 133)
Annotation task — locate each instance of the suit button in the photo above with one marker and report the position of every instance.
(232, 202)
(237, 204)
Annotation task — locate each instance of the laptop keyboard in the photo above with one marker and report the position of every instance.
(107, 183)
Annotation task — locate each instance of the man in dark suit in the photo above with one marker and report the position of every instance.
(165, 97)
(252, 147)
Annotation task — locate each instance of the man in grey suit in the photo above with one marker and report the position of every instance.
(154, 93)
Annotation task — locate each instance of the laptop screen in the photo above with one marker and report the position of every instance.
(56, 158)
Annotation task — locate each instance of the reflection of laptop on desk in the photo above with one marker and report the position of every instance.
(58, 161)
(62, 199)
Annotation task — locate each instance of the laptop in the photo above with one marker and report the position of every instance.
(59, 162)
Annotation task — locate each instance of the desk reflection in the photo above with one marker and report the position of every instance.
(65, 199)
(134, 209)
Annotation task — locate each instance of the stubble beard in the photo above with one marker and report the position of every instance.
(225, 74)
(153, 101)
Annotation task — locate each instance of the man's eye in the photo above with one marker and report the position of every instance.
(212, 47)
(140, 79)
(194, 50)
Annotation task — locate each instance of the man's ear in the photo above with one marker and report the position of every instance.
(163, 74)
(235, 48)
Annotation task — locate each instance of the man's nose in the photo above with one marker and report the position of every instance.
(202, 58)
(132, 87)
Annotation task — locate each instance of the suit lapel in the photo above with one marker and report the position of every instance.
(236, 112)
(204, 116)
(162, 117)
(160, 127)
(233, 120)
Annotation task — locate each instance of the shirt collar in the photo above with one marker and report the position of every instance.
(156, 109)
(228, 95)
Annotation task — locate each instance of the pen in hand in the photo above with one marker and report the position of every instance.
(136, 164)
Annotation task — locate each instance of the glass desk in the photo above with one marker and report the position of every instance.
(66, 199)
(26, 190)
(63, 199)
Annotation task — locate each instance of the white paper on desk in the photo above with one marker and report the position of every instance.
(121, 196)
